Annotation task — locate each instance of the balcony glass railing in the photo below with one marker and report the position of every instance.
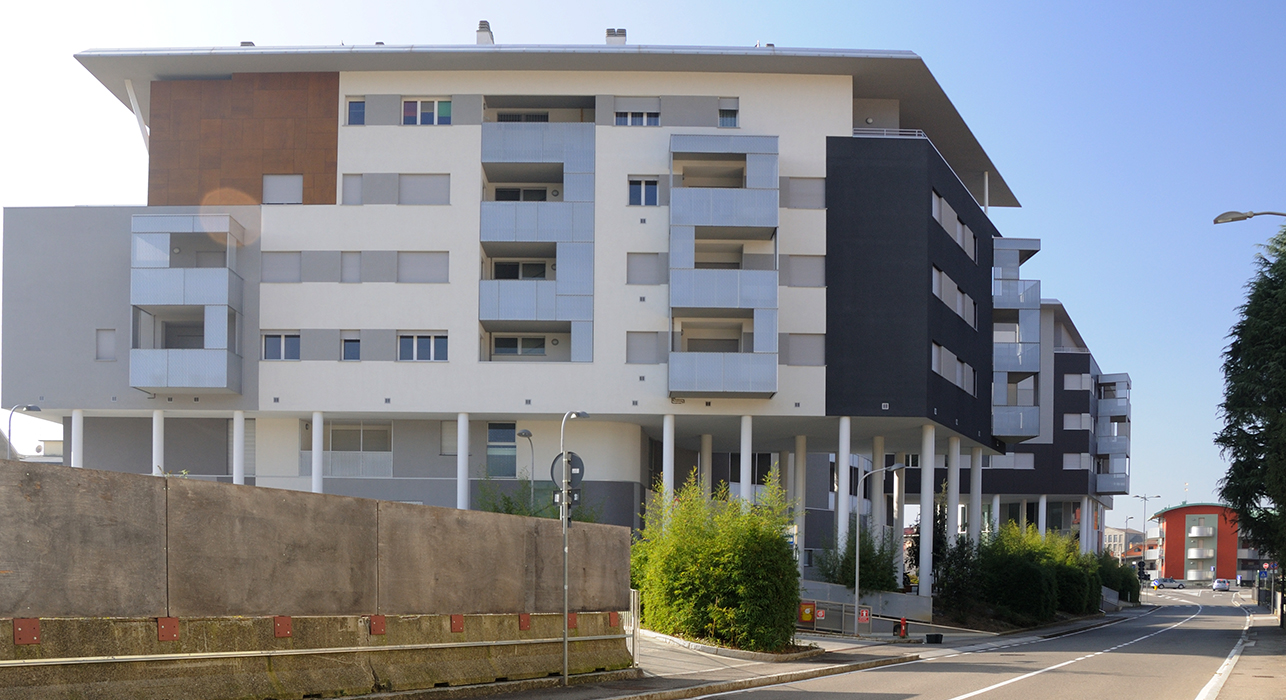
(723, 289)
(1200, 531)
(1015, 421)
(717, 206)
(722, 373)
(1016, 357)
(349, 464)
(1113, 444)
(1199, 553)
(211, 370)
(1015, 294)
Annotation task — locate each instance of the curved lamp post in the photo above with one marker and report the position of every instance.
(1230, 216)
(564, 514)
(29, 408)
(857, 542)
(1145, 500)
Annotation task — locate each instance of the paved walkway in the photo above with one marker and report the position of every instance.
(1260, 672)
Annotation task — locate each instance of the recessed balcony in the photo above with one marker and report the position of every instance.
(722, 374)
(723, 289)
(164, 286)
(725, 212)
(1016, 357)
(1113, 484)
(1119, 407)
(542, 222)
(1113, 444)
(1015, 294)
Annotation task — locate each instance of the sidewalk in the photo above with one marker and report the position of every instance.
(1260, 672)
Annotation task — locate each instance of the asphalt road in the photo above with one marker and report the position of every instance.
(1172, 651)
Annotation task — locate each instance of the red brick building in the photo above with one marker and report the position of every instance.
(1199, 543)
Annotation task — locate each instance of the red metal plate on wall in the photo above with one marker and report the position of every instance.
(377, 624)
(167, 629)
(457, 623)
(613, 619)
(524, 621)
(26, 630)
(281, 626)
(571, 621)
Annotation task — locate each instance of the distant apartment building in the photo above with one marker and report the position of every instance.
(1200, 542)
(1118, 540)
(375, 270)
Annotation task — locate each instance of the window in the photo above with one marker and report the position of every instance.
(951, 223)
(540, 117)
(945, 363)
(356, 112)
(277, 346)
(362, 436)
(426, 112)
(283, 189)
(509, 270)
(352, 346)
(638, 119)
(643, 193)
(520, 346)
(946, 289)
(728, 118)
(525, 194)
(502, 449)
(105, 344)
(422, 348)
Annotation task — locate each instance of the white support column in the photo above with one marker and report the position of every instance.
(1041, 513)
(319, 452)
(158, 443)
(1022, 514)
(747, 460)
(77, 438)
(462, 461)
(1085, 524)
(899, 516)
(953, 489)
(801, 486)
(879, 517)
(975, 495)
(995, 512)
(707, 461)
(667, 454)
(927, 465)
(239, 447)
(786, 474)
(843, 470)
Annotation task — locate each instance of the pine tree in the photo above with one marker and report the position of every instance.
(1254, 409)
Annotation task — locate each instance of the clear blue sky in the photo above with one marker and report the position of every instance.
(1123, 128)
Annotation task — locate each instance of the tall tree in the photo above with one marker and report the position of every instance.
(1254, 408)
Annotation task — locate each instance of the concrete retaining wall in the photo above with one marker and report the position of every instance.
(882, 603)
(88, 543)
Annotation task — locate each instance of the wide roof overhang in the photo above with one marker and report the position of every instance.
(894, 75)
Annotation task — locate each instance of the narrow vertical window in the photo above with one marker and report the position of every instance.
(444, 112)
(410, 112)
(356, 112)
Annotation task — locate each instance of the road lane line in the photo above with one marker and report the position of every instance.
(1215, 684)
(1072, 661)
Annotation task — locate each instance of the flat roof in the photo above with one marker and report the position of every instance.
(897, 75)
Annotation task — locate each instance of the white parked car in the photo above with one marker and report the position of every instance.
(1220, 584)
(1166, 583)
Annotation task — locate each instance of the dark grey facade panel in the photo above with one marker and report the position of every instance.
(689, 110)
(379, 266)
(423, 267)
(430, 492)
(319, 266)
(281, 267)
(319, 344)
(379, 345)
(645, 268)
(758, 261)
(198, 446)
(882, 317)
(379, 188)
(417, 450)
(604, 110)
(466, 110)
(385, 110)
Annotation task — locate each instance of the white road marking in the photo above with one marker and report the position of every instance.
(1072, 661)
(1213, 686)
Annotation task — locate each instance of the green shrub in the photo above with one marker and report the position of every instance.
(957, 578)
(710, 568)
(1073, 588)
(879, 570)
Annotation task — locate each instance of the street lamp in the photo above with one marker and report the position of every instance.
(857, 543)
(1145, 500)
(8, 436)
(1230, 216)
(524, 433)
(564, 514)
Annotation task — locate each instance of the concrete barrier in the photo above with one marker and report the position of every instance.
(87, 543)
(882, 603)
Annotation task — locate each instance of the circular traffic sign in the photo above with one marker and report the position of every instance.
(577, 470)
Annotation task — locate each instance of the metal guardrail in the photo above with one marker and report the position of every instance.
(872, 132)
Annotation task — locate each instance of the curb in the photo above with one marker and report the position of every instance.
(761, 681)
(732, 653)
(503, 687)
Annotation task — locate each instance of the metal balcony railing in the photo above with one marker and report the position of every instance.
(722, 374)
(1200, 531)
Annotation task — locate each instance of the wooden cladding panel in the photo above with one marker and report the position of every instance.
(212, 141)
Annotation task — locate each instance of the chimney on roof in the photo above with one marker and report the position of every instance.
(484, 33)
(247, 43)
(615, 37)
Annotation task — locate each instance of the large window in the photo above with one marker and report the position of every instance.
(426, 112)
(502, 450)
(523, 194)
(280, 346)
(520, 346)
(638, 119)
(515, 270)
(422, 348)
(643, 193)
